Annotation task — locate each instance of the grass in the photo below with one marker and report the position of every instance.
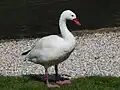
(85, 83)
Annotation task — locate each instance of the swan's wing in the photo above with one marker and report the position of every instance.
(48, 48)
(51, 41)
(43, 42)
(25, 53)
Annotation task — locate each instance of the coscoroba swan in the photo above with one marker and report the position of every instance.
(51, 50)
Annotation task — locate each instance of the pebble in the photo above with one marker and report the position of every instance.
(95, 54)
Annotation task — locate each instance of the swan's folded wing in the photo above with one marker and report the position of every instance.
(48, 48)
(52, 41)
(25, 53)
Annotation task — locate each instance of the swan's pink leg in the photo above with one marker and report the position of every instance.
(63, 82)
(47, 82)
(59, 81)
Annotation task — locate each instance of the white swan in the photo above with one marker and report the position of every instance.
(51, 50)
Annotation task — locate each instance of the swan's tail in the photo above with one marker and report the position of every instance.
(25, 53)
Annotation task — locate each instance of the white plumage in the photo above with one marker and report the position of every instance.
(50, 50)
(53, 49)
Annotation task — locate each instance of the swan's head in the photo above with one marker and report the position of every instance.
(69, 15)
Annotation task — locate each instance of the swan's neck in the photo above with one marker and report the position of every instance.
(66, 34)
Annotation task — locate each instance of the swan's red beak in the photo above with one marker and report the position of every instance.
(76, 21)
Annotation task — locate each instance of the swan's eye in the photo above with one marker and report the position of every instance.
(72, 15)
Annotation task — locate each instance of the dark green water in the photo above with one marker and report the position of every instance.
(20, 18)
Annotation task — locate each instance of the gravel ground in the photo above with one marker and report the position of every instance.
(96, 53)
